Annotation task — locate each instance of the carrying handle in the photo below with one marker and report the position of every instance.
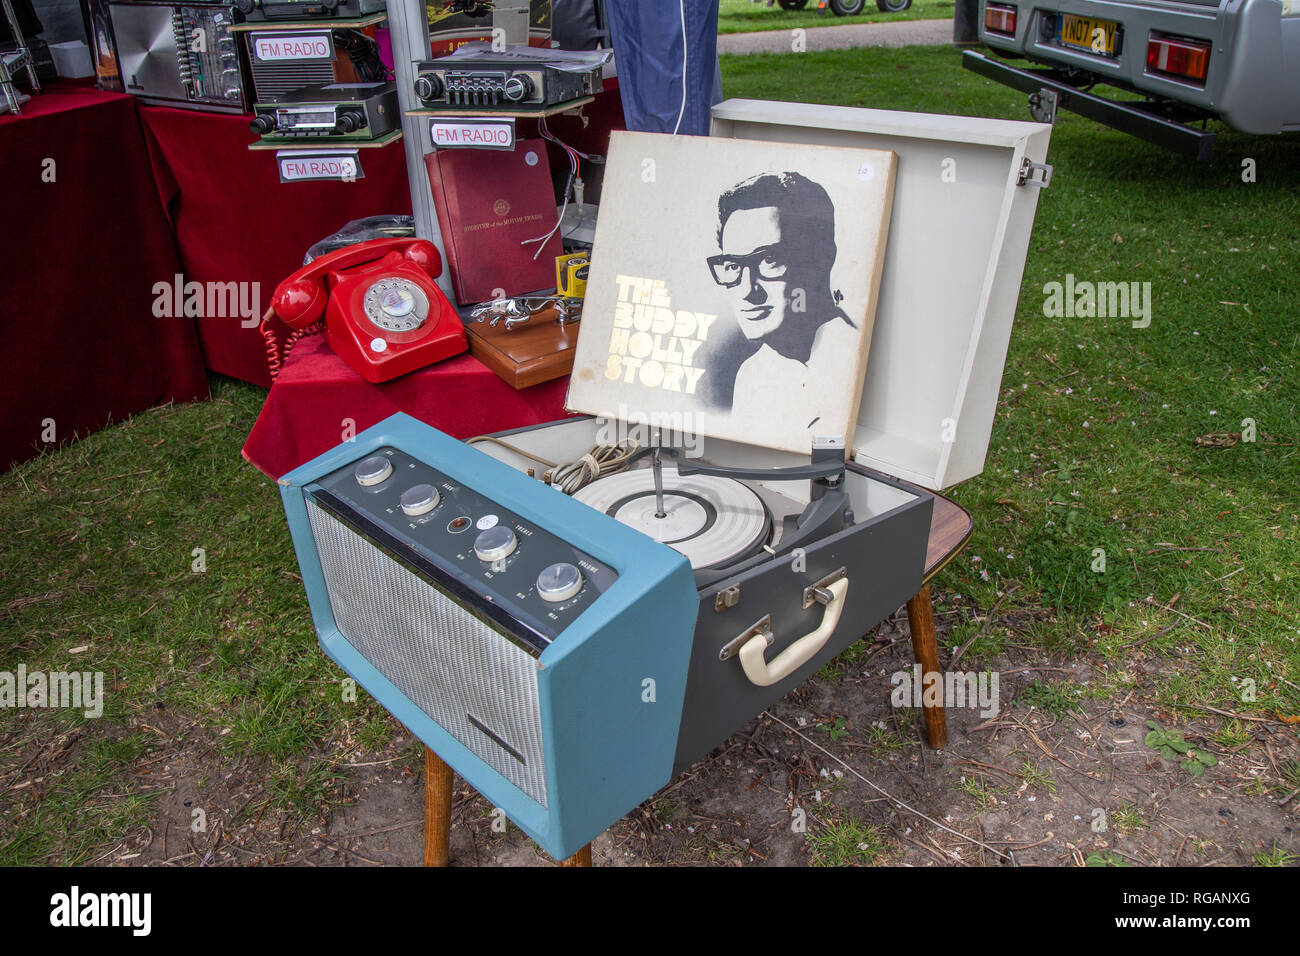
(764, 673)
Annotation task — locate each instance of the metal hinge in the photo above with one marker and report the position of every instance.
(1027, 170)
(727, 597)
(820, 593)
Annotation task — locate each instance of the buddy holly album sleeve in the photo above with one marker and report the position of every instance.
(733, 287)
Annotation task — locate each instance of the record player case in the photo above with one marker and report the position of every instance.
(965, 197)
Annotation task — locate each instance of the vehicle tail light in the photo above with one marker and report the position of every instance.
(1000, 18)
(1185, 59)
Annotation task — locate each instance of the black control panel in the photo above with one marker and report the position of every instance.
(500, 83)
(480, 554)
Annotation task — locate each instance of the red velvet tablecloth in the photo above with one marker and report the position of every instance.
(318, 401)
(234, 221)
(85, 240)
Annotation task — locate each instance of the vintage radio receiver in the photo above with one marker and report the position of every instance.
(286, 61)
(568, 654)
(517, 78)
(341, 111)
(258, 10)
(180, 55)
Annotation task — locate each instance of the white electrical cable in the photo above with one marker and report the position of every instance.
(574, 167)
(887, 795)
(568, 477)
(682, 112)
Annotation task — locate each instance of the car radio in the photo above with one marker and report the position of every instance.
(344, 111)
(516, 78)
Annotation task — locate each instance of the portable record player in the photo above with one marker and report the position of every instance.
(569, 654)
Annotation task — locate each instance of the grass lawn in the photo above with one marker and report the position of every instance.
(150, 551)
(743, 16)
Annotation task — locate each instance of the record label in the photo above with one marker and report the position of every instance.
(708, 518)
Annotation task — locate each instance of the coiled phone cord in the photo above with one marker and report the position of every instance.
(275, 353)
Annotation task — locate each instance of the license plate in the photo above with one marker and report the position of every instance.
(1085, 33)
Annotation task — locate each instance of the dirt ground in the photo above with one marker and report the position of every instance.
(1022, 788)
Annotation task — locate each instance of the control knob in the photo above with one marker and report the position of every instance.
(265, 123)
(420, 499)
(349, 121)
(427, 86)
(518, 88)
(373, 470)
(495, 544)
(559, 582)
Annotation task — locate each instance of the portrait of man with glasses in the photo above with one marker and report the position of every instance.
(734, 285)
(776, 242)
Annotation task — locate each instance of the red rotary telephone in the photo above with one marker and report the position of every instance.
(384, 316)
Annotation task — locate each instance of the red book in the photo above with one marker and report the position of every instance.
(488, 202)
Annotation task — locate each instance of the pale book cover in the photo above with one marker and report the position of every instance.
(733, 287)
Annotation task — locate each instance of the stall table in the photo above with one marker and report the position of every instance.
(318, 401)
(234, 221)
(86, 241)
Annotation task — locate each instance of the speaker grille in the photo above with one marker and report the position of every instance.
(467, 676)
(274, 80)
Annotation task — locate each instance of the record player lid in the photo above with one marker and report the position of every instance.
(965, 195)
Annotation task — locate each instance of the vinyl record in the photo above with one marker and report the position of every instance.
(710, 519)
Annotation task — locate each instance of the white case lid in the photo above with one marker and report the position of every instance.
(953, 263)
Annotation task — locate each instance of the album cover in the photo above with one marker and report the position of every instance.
(733, 287)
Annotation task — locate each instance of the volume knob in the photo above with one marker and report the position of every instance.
(427, 87)
(559, 582)
(264, 123)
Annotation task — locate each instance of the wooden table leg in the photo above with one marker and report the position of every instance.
(581, 858)
(925, 649)
(437, 810)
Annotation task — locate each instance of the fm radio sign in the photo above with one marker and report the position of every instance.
(297, 167)
(476, 134)
(293, 46)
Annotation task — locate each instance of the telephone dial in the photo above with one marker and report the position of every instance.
(384, 314)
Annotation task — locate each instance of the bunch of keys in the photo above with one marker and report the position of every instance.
(520, 309)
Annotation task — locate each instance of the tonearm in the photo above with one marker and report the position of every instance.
(828, 511)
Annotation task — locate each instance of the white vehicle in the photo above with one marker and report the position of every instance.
(1192, 60)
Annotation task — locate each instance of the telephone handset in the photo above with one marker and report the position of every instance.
(384, 314)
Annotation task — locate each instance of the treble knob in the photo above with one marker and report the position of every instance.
(495, 544)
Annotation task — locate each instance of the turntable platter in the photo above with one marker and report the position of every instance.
(709, 519)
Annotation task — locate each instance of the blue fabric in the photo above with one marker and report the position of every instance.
(647, 37)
